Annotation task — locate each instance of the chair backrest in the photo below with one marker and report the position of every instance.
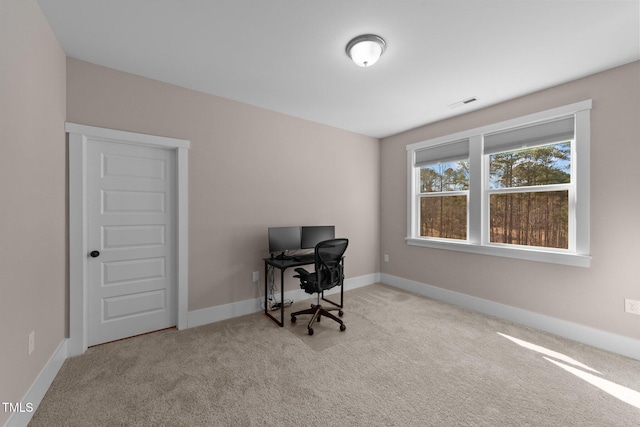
(328, 259)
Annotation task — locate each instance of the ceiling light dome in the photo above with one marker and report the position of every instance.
(365, 50)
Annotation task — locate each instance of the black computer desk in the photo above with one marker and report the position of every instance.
(282, 265)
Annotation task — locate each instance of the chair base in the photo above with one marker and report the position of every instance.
(318, 311)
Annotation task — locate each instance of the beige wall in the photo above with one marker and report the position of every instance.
(33, 191)
(249, 169)
(592, 296)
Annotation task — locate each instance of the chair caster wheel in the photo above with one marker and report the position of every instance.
(293, 319)
(340, 313)
(342, 328)
(310, 331)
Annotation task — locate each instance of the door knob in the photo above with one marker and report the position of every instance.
(94, 254)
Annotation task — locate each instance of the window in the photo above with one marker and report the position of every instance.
(518, 188)
(443, 190)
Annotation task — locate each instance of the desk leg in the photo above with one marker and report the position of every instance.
(266, 295)
(266, 288)
(282, 298)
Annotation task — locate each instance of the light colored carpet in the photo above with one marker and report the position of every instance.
(404, 360)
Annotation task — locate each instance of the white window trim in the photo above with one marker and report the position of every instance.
(578, 252)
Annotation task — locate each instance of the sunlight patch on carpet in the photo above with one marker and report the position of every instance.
(618, 391)
(547, 352)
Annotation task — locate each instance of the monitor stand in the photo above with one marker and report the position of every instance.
(282, 256)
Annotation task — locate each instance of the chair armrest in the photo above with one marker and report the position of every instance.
(302, 274)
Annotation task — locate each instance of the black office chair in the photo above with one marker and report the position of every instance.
(329, 273)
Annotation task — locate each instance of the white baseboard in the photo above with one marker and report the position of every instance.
(253, 305)
(605, 340)
(39, 388)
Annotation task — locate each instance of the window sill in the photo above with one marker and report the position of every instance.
(547, 256)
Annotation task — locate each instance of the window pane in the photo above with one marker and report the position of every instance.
(531, 219)
(443, 216)
(452, 176)
(542, 165)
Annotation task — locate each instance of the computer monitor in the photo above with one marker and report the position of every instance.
(282, 239)
(313, 235)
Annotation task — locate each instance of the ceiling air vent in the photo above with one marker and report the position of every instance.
(463, 102)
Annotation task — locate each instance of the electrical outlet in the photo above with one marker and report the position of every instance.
(386, 258)
(631, 306)
(32, 342)
(256, 276)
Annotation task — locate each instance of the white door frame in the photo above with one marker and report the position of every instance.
(78, 250)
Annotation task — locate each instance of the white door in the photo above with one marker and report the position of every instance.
(131, 283)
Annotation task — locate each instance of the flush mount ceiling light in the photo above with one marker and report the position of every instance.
(365, 50)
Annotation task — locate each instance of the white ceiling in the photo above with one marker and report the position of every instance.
(288, 55)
